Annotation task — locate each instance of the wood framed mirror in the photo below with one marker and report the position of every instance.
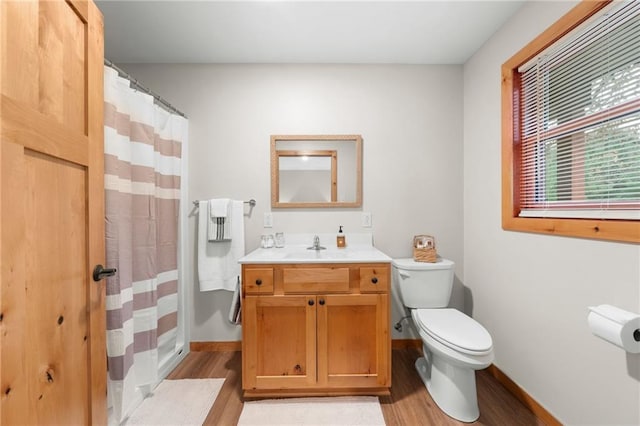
(309, 171)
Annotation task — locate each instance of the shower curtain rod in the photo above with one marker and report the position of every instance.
(158, 99)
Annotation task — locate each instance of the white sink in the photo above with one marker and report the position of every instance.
(316, 254)
(298, 253)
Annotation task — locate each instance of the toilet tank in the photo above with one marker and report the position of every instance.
(424, 284)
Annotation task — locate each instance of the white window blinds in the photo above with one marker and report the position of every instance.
(579, 121)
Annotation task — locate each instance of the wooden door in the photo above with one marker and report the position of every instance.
(278, 342)
(353, 341)
(52, 318)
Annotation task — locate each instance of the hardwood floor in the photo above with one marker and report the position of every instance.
(409, 403)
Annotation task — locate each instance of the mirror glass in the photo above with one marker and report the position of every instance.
(316, 171)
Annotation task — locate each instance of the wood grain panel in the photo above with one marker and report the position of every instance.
(52, 231)
(282, 340)
(20, 61)
(76, 66)
(315, 280)
(56, 285)
(36, 131)
(279, 338)
(45, 316)
(51, 36)
(374, 279)
(406, 344)
(215, 346)
(353, 341)
(384, 342)
(47, 68)
(83, 8)
(249, 340)
(351, 336)
(257, 280)
(95, 205)
(13, 377)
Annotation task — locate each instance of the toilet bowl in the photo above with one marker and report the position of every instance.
(454, 345)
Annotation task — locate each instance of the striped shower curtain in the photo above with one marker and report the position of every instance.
(143, 146)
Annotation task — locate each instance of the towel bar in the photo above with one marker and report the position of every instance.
(251, 202)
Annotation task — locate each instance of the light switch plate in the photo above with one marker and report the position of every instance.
(268, 220)
(366, 220)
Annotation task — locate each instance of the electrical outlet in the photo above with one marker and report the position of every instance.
(366, 220)
(268, 220)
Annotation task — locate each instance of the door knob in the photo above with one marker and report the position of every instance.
(100, 272)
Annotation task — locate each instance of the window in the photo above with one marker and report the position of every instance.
(571, 127)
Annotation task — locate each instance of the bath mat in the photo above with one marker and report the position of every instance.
(334, 411)
(177, 402)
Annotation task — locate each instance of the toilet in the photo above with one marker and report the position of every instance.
(454, 345)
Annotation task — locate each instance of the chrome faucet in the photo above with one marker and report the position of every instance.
(316, 244)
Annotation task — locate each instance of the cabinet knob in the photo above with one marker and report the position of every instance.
(258, 282)
(311, 302)
(374, 280)
(321, 301)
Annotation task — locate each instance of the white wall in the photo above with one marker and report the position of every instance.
(410, 118)
(532, 291)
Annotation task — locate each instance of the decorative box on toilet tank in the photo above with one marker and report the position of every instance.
(424, 249)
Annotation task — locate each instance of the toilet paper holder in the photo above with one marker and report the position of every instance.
(616, 326)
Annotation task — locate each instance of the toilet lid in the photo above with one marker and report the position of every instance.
(453, 328)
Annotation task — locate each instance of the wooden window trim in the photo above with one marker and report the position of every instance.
(613, 230)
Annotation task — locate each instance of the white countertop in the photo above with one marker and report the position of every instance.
(359, 250)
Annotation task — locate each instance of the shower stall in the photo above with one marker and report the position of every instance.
(145, 214)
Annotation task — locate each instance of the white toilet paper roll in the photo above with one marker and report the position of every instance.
(617, 326)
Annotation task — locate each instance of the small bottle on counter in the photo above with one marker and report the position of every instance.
(341, 241)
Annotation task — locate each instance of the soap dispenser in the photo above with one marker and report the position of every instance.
(341, 241)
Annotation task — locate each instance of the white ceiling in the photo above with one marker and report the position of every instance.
(300, 31)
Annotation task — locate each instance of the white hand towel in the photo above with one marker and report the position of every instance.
(218, 226)
(218, 267)
(219, 207)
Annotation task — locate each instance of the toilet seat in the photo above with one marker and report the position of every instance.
(455, 330)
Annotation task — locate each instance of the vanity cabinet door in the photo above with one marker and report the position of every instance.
(353, 341)
(279, 342)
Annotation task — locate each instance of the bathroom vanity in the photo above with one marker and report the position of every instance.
(316, 322)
